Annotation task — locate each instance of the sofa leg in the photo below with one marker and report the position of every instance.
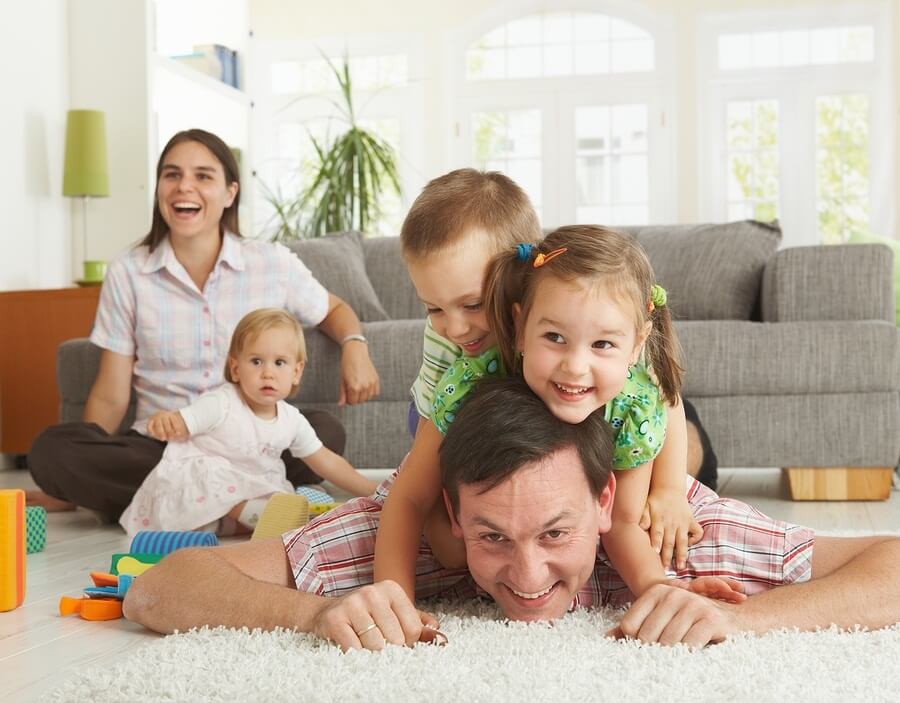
(839, 482)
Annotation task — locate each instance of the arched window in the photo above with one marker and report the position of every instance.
(571, 104)
(560, 44)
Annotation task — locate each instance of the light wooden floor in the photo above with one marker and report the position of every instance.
(39, 649)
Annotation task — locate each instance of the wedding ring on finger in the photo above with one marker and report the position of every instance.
(371, 627)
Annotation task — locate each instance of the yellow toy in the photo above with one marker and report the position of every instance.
(12, 548)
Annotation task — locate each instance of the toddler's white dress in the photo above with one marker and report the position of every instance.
(231, 456)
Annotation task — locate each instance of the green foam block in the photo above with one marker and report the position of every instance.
(35, 529)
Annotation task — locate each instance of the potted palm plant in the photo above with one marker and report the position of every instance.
(349, 175)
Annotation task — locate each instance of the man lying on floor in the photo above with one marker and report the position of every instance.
(530, 495)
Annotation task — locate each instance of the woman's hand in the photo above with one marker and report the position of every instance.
(167, 426)
(359, 379)
(672, 527)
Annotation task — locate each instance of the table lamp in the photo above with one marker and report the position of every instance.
(85, 174)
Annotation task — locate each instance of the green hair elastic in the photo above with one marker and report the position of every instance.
(657, 295)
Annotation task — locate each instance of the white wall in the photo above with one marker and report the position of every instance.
(109, 54)
(34, 243)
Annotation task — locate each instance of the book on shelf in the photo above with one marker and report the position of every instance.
(214, 60)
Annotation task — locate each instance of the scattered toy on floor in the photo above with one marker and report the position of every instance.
(12, 548)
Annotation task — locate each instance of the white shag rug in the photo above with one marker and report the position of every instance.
(488, 659)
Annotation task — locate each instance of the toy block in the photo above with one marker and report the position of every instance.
(133, 564)
(164, 542)
(91, 608)
(12, 549)
(284, 512)
(35, 529)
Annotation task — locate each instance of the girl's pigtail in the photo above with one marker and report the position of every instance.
(664, 354)
(502, 287)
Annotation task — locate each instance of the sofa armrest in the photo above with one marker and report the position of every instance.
(396, 350)
(841, 282)
(77, 364)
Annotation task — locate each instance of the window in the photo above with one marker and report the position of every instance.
(611, 164)
(510, 142)
(752, 138)
(797, 121)
(571, 105)
(560, 44)
(797, 47)
(315, 75)
(842, 166)
(296, 106)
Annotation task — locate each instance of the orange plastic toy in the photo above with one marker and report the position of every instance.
(12, 548)
(91, 608)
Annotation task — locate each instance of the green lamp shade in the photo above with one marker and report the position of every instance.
(85, 171)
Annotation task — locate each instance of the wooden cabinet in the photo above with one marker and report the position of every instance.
(33, 324)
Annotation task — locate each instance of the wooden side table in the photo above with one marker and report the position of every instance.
(33, 324)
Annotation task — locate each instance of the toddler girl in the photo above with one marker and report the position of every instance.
(223, 457)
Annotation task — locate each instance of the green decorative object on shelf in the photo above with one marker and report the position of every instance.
(351, 172)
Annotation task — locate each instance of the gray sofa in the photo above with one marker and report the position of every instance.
(793, 356)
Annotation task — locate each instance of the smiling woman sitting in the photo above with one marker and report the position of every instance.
(165, 318)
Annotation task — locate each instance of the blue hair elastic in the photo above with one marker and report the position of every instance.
(523, 252)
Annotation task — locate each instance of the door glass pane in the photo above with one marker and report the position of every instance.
(842, 166)
(611, 164)
(510, 142)
(751, 139)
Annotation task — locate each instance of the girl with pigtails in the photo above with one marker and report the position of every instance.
(581, 318)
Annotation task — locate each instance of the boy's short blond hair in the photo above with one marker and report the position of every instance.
(255, 323)
(454, 204)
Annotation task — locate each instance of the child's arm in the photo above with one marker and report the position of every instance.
(167, 426)
(449, 551)
(200, 416)
(335, 468)
(668, 515)
(626, 544)
(415, 491)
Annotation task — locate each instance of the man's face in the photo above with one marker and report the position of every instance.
(531, 542)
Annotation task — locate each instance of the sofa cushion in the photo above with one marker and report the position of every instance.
(713, 271)
(338, 263)
(390, 278)
(733, 358)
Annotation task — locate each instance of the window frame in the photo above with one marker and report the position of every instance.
(405, 104)
(796, 89)
(558, 96)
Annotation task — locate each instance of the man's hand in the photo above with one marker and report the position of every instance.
(348, 621)
(671, 524)
(671, 615)
(359, 379)
(167, 426)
